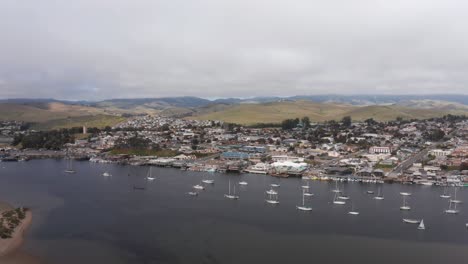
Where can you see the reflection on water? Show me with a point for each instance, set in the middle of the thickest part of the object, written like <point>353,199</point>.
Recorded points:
<point>88,218</point>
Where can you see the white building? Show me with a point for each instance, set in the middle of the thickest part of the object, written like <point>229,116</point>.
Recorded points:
<point>380,150</point>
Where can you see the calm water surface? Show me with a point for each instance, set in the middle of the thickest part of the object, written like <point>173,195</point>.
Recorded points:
<point>87,218</point>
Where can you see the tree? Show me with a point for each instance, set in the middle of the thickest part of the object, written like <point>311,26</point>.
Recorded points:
<point>346,121</point>
<point>305,122</point>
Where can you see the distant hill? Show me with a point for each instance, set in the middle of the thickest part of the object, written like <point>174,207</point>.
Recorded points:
<point>239,110</point>
<point>55,114</point>
<point>275,112</point>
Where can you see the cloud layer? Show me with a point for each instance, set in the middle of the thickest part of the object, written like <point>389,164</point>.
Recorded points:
<point>96,49</point>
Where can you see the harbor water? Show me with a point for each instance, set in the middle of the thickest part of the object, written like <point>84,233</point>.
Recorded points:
<point>88,218</point>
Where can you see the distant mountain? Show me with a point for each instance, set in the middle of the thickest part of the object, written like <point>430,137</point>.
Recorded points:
<point>381,99</point>
<point>154,103</point>
<point>243,110</point>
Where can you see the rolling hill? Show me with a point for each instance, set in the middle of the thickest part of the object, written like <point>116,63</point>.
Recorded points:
<point>248,114</point>
<point>55,114</point>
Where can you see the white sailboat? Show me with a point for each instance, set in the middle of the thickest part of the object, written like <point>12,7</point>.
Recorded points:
<point>455,201</point>
<point>421,225</point>
<point>353,212</point>
<point>342,196</point>
<point>405,207</point>
<point>70,166</point>
<point>232,196</point>
<point>337,201</point>
<point>149,176</point>
<point>337,189</point>
<point>379,195</point>
<point>303,207</point>
<point>452,210</point>
<point>445,195</point>
<point>306,186</point>
<point>272,199</point>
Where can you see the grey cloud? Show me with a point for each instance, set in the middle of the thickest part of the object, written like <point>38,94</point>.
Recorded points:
<point>92,49</point>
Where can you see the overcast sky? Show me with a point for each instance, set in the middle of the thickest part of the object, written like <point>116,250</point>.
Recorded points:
<point>96,49</point>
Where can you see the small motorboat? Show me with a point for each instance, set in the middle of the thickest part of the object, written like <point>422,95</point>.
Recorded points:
<point>405,193</point>
<point>106,174</point>
<point>243,183</point>
<point>370,192</point>
<point>208,181</point>
<point>343,197</point>
<point>353,213</point>
<point>275,185</point>
<point>308,194</point>
<point>192,193</point>
<point>405,208</point>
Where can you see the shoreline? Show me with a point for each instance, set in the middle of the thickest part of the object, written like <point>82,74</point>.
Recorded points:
<point>10,248</point>
<point>11,245</point>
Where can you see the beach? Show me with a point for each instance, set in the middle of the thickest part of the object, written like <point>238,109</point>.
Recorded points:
<point>10,248</point>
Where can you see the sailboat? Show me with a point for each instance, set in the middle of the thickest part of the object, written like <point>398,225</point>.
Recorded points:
<point>337,189</point>
<point>149,176</point>
<point>445,195</point>
<point>342,196</point>
<point>303,207</point>
<point>231,196</point>
<point>455,201</point>
<point>379,195</point>
<point>405,207</point>
<point>306,186</point>
<point>421,225</point>
<point>70,166</point>
<point>451,210</point>
<point>272,199</point>
<point>336,201</point>
<point>353,212</point>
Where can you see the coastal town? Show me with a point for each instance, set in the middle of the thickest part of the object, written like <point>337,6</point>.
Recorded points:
<point>427,152</point>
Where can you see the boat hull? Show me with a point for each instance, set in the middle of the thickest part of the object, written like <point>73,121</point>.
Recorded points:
<point>303,208</point>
